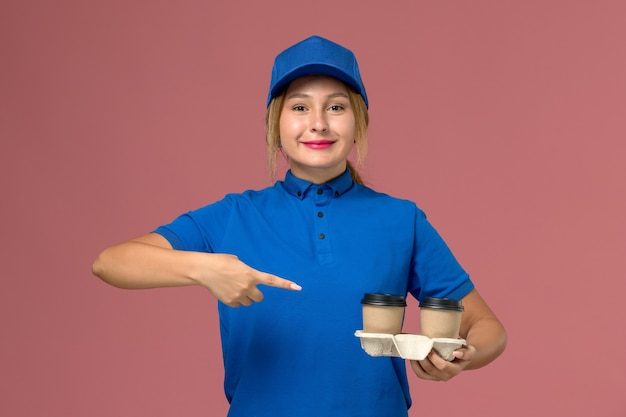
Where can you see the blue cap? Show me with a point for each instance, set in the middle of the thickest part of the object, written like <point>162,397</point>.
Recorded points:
<point>315,56</point>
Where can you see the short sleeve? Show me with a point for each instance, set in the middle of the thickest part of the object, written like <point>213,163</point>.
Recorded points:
<point>436,272</point>
<point>200,230</point>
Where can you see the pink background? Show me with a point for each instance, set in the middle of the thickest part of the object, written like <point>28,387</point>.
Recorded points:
<point>505,121</point>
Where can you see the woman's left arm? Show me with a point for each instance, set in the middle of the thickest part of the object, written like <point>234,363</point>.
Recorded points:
<point>481,329</point>
<point>485,337</point>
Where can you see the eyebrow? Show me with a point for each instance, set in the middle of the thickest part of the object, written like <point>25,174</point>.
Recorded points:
<point>303,95</point>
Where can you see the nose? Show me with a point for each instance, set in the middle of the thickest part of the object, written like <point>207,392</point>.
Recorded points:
<point>319,122</point>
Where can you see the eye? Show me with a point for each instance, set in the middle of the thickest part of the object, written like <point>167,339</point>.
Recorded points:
<point>336,107</point>
<point>299,108</point>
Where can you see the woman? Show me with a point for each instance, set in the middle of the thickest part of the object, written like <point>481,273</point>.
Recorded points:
<point>325,238</point>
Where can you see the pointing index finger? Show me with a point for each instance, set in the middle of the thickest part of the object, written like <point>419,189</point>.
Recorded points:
<point>274,281</point>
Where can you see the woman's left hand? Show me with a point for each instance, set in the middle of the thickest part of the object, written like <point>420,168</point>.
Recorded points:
<point>435,368</point>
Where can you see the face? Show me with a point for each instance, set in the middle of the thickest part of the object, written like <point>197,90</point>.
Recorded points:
<point>317,127</point>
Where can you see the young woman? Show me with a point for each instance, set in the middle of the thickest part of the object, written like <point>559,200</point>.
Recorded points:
<point>316,241</point>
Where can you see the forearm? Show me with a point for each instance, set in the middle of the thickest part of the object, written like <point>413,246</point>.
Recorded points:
<point>489,338</point>
<point>136,264</point>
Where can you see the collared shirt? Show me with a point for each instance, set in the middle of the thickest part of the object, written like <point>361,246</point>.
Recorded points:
<point>295,352</point>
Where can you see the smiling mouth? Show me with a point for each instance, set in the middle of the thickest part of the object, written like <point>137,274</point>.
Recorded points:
<point>318,144</point>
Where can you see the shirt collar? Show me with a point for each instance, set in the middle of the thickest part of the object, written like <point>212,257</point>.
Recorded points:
<point>299,187</point>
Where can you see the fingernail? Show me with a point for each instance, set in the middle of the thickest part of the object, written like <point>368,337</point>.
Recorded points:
<point>295,287</point>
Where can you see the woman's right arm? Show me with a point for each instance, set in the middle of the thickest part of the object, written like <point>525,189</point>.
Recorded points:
<point>150,262</point>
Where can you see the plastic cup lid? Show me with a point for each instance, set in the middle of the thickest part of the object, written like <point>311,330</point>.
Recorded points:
<point>441,303</point>
<point>387,300</point>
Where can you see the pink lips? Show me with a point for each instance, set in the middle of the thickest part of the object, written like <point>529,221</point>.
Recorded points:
<point>318,144</point>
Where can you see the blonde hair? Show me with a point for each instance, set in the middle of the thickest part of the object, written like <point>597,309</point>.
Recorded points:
<point>361,121</point>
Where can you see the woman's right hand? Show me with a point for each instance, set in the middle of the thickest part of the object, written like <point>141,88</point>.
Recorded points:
<point>233,282</point>
<point>150,262</point>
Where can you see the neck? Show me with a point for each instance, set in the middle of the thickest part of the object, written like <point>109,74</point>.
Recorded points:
<point>318,175</point>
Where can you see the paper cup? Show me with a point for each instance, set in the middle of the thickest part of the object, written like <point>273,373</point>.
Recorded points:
<point>440,317</point>
<point>383,313</point>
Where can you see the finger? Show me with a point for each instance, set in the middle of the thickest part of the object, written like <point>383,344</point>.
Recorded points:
<point>420,372</point>
<point>255,295</point>
<point>234,304</point>
<point>274,281</point>
<point>437,368</point>
<point>246,301</point>
<point>437,361</point>
<point>465,353</point>
<point>427,366</point>
<point>459,354</point>
<point>445,370</point>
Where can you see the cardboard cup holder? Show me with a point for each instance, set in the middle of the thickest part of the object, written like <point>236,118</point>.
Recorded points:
<point>407,346</point>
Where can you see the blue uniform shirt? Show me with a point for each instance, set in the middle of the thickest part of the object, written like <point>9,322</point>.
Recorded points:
<point>295,353</point>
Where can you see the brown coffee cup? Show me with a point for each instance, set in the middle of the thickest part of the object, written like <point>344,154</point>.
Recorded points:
<point>383,313</point>
<point>440,317</point>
